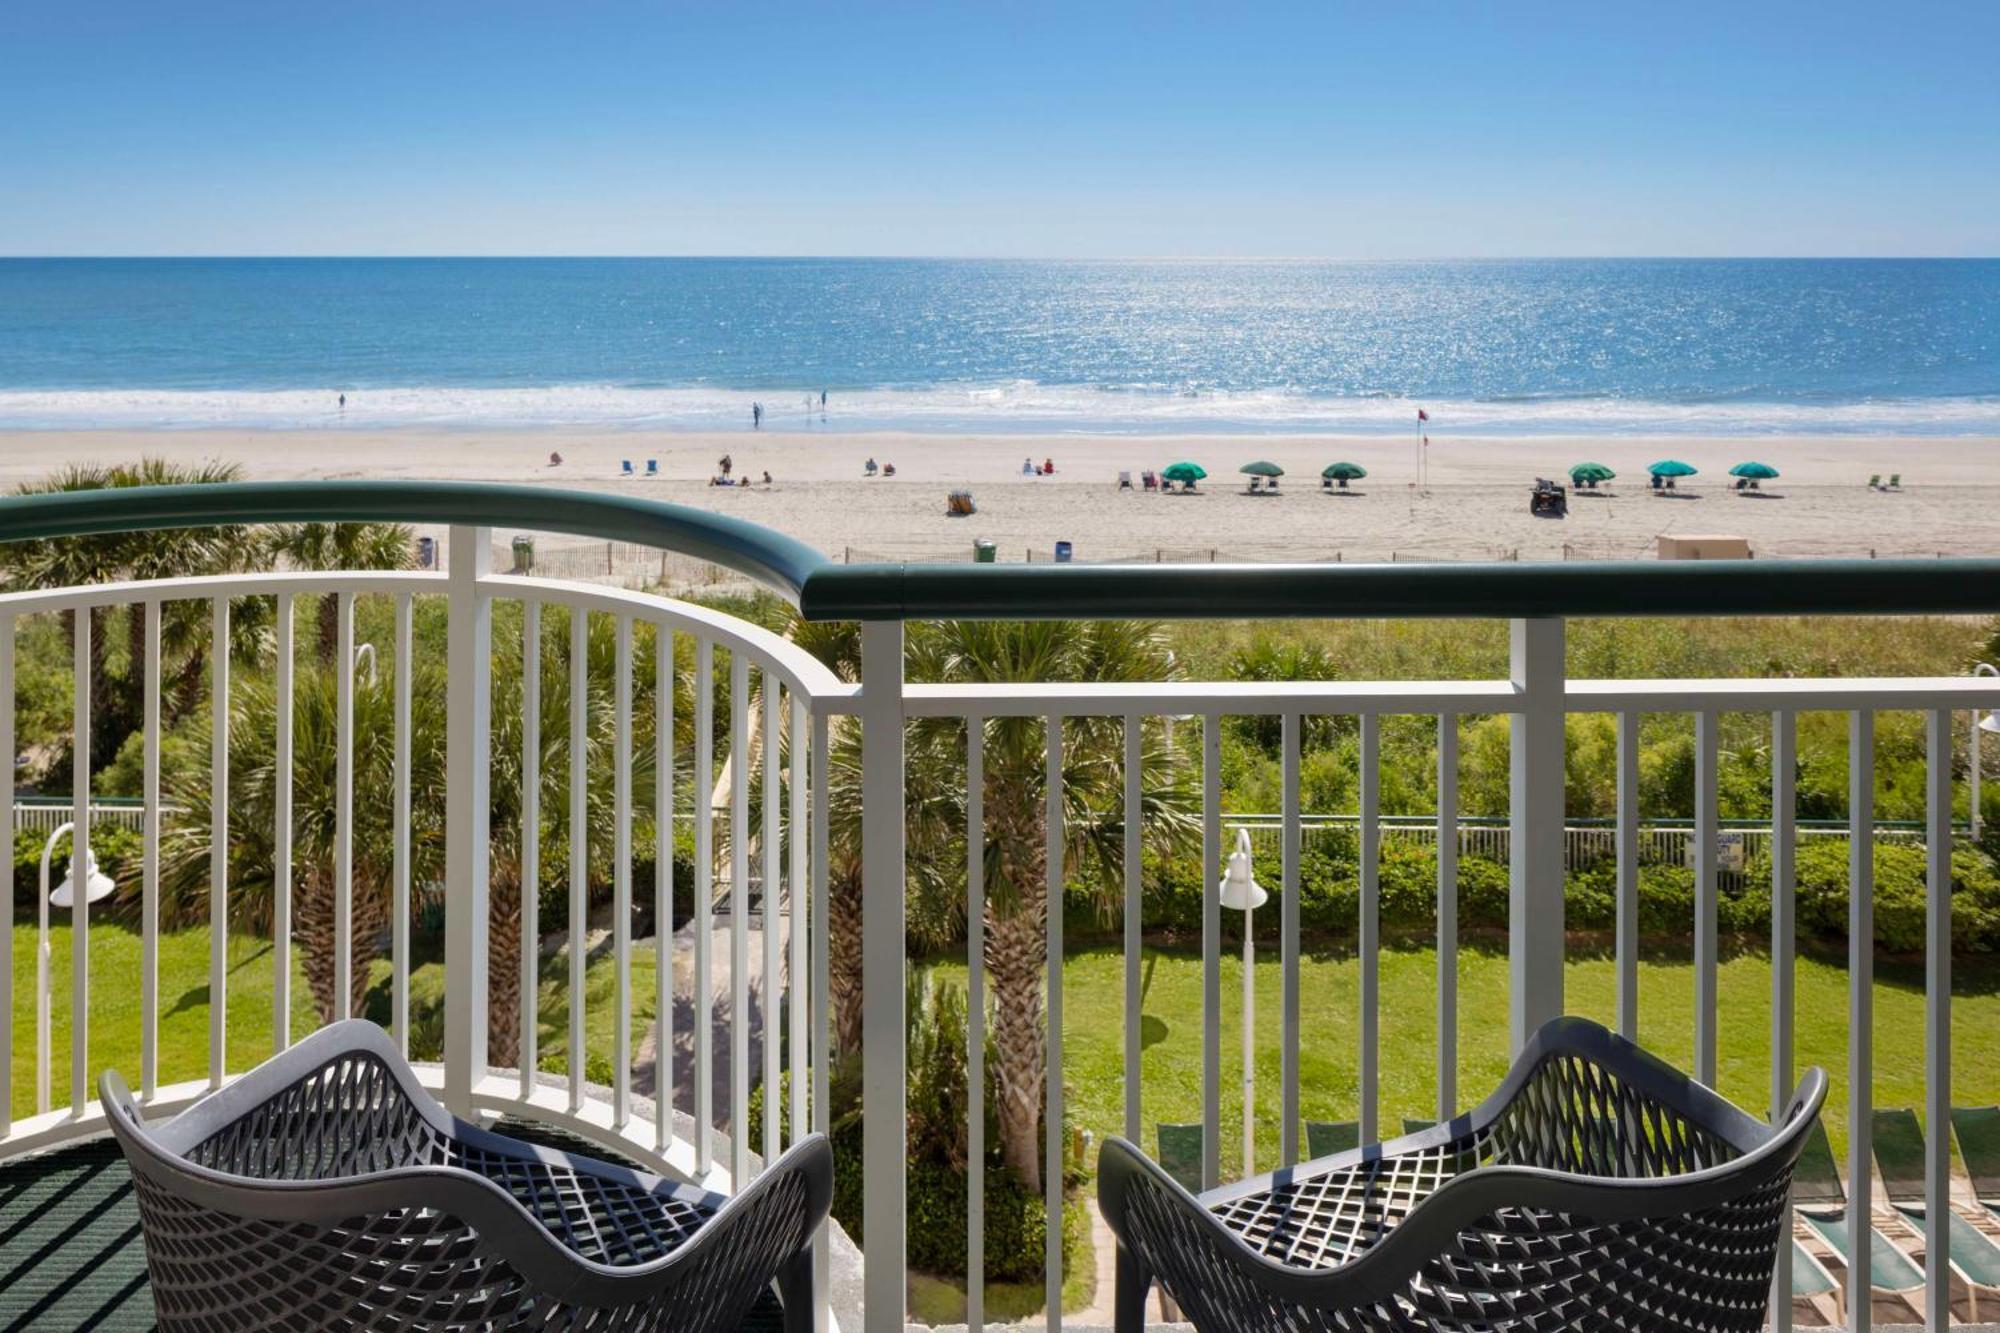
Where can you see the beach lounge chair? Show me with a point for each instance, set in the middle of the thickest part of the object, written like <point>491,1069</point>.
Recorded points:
<point>1149,481</point>
<point>1822,1204</point>
<point>1324,1138</point>
<point>1596,1178</point>
<point>1899,1155</point>
<point>1895,482</point>
<point>1875,482</point>
<point>652,467</point>
<point>327,1189</point>
<point>625,467</point>
<point>1660,483</point>
<point>1978,1131</point>
<point>1124,480</point>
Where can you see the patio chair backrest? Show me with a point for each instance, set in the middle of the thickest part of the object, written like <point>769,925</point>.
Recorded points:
<point>1899,1153</point>
<point>1180,1155</point>
<point>1815,1179</point>
<point>1978,1130</point>
<point>1324,1138</point>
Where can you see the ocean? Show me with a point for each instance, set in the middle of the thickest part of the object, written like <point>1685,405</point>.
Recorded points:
<point>1496,348</point>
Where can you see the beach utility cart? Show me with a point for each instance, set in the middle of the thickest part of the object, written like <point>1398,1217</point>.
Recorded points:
<point>327,1190</point>
<point>1598,1188</point>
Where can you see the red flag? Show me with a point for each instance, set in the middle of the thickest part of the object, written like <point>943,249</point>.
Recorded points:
<point>1423,415</point>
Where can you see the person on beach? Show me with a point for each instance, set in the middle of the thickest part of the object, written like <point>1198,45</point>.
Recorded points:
<point>767,476</point>
<point>343,402</point>
<point>869,467</point>
<point>1028,467</point>
<point>725,463</point>
<point>555,459</point>
<point>756,416</point>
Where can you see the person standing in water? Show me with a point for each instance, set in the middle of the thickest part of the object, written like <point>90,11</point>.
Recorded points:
<point>756,416</point>
<point>343,402</point>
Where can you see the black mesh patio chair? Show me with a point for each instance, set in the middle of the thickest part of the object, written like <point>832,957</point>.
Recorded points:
<point>327,1190</point>
<point>1597,1189</point>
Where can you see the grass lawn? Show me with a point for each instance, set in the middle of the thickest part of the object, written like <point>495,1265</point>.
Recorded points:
<point>1093,1033</point>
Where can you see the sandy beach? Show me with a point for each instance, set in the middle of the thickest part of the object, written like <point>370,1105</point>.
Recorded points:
<point>1474,506</point>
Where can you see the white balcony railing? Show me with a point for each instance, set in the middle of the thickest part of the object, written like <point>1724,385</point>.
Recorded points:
<point>781,711</point>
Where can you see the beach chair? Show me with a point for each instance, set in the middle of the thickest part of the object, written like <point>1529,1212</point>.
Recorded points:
<point>652,467</point>
<point>625,467</point>
<point>1149,481</point>
<point>1895,482</point>
<point>1124,481</point>
<point>1660,483</point>
<point>1324,1138</point>
<point>959,505</point>
<point>1978,1131</point>
<point>1822,1204</point>
<point>1875,482</point>
<point>1899,1155</point>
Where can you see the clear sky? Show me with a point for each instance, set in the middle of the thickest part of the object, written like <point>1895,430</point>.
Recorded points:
<point>1351,130</point>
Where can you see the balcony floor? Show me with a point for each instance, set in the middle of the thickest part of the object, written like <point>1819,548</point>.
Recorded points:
<point>71,1256</point>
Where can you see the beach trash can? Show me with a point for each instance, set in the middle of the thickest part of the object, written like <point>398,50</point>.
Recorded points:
<point>524,554</point>
<point>1062,553</point>
<point>427,553</point>
<point>984,551</point>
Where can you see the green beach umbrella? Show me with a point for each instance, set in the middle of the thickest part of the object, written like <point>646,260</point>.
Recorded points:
<point>1755,471</point>
<point>1344,473</point>
<point>1591,472</point>
<point>1260,468</point>
<point>1672,467</point>
<point>1184,472</point>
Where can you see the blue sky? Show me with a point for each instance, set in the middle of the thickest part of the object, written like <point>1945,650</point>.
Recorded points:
<point>1327,129</point>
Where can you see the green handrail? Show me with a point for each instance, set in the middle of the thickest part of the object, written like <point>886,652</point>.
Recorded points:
<point>824,590</point>
<point>770,557</point>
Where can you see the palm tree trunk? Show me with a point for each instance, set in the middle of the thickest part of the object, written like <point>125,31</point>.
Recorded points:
<point>503,967</point>
<point>1016,954</point>
<point>314,919</point>
<point>843,963</point>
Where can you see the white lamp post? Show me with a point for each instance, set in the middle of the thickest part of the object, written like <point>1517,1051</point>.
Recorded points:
<point>365,651</point>
<point>1241,892</point>
<point>1991,722</point>
<point>96,885</point>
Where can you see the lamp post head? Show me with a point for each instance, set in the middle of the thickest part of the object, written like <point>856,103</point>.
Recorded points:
<point>1239,889</point>
<point>98,885</point>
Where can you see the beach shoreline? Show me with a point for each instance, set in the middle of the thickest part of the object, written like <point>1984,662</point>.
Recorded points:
<point>1462,498</point>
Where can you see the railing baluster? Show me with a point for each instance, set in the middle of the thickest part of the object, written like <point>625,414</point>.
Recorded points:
<point>1626,837</point>
<point>739,919</point>
<point>704,908</point>
<point>1937,1024</point>
<point>343,812</point>
<point>1447,916</point>
<point>1707,754</point>
<point>1288,931</point>
<point>1052,1169</point>
<point>771,1009</point>
<point>1860,1010</point>
<point>7,917</point>
<point>663,887</point>
<point>529,1055</point>
<point>468,813</point>
<point>1784,942</point>
<point>282,826</point>
<point>1134,891</point>
<point>1535,828</point>
<point>621,885</point>
<point>822,987</point>
<point>579,841</point>
<point>884,971</point>
<point>795,922</point>
<point>1370,944</point>
<point>1211,951</point>
<point>149,904</point>
<point>399,883</point>
<point>975,1011</point>
<point>218,836</point>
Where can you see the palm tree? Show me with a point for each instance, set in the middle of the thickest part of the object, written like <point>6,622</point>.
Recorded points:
<point>326,547</point>
<point>1014,787</point>
<point>112,557</point>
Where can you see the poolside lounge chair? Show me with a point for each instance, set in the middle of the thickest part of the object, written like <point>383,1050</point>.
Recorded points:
<point>1899,1155</point>
<point>1596,1178</point>
<point>1978,1131</point>
<point>326,1189</point>
<point>1822,1204</point>
<point>1324,1138</point>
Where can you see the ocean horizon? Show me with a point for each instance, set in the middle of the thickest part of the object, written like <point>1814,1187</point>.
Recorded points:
<point>1497,347</point>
